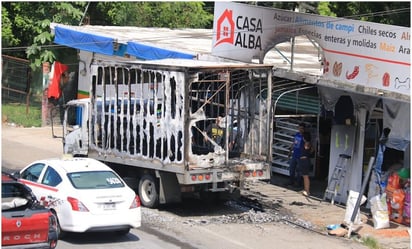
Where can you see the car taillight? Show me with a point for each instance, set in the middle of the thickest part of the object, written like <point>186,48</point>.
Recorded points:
<point>52,221</point>
<point>77,205</point>
<point>135,202</point>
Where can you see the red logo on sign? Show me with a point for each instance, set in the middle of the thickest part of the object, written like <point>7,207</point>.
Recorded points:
<point>225,28</point>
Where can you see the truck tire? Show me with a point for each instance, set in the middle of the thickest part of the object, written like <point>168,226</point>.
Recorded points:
<point>149,191</point>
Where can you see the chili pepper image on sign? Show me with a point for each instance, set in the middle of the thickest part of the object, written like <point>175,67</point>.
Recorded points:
<point>354,73</point>
<point>386,79</point>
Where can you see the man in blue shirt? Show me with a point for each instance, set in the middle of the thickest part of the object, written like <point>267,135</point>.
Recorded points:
<point>294,155</point>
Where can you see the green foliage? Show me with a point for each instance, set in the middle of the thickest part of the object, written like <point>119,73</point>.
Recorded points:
<point>156,14</point>
<point>115,13</point>
<point>324,10</point>
<point>278,5</point>
<point>7,37</point>
<point>393,13</point>
<point>17,114</point>
<point>27,24</point>
<point>30,27</point>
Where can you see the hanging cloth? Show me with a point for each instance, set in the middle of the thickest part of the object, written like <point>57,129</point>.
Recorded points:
<point>54,88</point>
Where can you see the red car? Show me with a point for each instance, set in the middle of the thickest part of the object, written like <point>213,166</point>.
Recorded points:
<point>24,222</point>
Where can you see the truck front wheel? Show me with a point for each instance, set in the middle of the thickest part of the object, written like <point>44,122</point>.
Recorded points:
<point>148,191</point>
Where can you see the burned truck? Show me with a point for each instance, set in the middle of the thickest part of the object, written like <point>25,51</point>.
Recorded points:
<point>175,127</point>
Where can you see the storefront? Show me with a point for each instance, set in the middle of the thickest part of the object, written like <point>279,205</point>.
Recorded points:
<point>364,86</point>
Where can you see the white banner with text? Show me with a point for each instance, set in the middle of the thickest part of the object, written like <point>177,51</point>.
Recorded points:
<point>370,54</point>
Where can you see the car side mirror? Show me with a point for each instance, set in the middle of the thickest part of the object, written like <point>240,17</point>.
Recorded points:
<point>16,174</point>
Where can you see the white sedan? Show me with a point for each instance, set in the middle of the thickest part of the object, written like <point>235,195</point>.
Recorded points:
<point>85,194</point>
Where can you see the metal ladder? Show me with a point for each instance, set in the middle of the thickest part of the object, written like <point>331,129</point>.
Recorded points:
<point>337,177</point>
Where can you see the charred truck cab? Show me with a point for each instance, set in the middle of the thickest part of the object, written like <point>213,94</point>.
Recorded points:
<point>175,126</point>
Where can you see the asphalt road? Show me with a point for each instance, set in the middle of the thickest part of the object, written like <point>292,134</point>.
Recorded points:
<point>143,237</point>
<point>174,227</point>
<point>21,146</point>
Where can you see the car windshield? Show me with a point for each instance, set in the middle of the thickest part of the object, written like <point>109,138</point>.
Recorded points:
<point>95,180</point>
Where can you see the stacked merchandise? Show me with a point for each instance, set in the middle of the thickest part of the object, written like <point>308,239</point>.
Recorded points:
<point>398,196</point>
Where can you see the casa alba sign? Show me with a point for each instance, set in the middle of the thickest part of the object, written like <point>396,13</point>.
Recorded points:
<point>372,54</point>
<point>248,31</point>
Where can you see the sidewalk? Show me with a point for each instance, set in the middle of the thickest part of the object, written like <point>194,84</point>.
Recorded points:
<point>320,214</point>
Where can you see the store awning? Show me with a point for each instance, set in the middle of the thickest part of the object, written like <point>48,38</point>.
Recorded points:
<point>76,37</point>
<point>83,41</point>
<point>149,52</point>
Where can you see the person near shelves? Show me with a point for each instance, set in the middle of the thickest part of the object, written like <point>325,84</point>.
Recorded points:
<point>294,156</point>
<point>305,162</point>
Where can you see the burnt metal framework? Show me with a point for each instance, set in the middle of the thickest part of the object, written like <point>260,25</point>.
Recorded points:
<point>162,114</point>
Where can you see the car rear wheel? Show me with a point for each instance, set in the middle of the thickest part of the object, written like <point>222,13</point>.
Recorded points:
<point>148,191</point>
<point>60,232</point>
<point>55,227</point>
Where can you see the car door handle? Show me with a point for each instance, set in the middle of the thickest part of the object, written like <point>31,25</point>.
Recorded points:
<point>18,216</point>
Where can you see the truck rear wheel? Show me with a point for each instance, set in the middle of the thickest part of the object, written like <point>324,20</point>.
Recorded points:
<point>149,191</point>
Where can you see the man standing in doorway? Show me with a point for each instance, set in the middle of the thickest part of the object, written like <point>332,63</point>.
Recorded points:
<point>294,155</point>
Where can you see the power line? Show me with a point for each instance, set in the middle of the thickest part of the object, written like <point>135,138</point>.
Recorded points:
<point>84,14</point>
<point>380,13</point>
<point>40,47</point>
